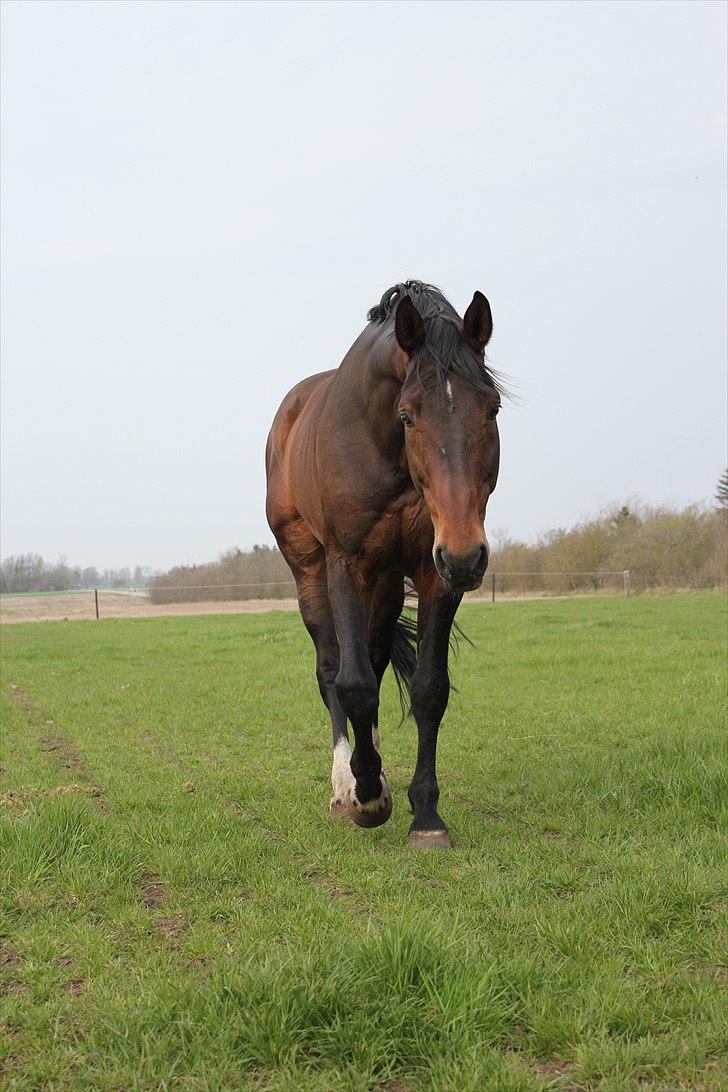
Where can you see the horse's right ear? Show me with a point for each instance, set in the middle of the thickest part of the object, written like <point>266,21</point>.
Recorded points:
<point>409,329</point>
<point>478,322</point>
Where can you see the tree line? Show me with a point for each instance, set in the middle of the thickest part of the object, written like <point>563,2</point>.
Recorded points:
<point>662,547</point>
<point>31,573</point>
<point>260,573</point>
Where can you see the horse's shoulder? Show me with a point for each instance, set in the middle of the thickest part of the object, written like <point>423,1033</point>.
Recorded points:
<point>300,394</point>
<point>294,403</point>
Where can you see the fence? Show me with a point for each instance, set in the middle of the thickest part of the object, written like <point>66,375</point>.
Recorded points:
<point>500,580</point>
<point>496,584</point>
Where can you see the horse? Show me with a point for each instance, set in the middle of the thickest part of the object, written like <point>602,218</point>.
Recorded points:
<point>379,472</point>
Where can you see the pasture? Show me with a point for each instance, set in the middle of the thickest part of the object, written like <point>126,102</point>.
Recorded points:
<point>179,912</point>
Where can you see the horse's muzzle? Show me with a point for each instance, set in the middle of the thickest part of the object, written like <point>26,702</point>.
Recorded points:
<point>461,572</point>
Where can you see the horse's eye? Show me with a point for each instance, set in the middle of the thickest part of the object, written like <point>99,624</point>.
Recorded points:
<point>492,413</point>
<point>406,420</point>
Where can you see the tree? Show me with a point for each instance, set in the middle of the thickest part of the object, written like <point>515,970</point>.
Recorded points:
<point>23,573</point>
<point>622,517</point>
<point>721,494</point>
<point>60,575</point>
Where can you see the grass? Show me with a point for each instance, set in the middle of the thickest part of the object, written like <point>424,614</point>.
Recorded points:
<point>178,911</point>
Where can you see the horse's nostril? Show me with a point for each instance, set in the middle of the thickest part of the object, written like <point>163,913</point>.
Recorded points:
<point>440,562</point>
<point>477,562</point>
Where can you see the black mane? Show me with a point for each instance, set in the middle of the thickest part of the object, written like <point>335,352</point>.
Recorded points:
<point>445,347</point>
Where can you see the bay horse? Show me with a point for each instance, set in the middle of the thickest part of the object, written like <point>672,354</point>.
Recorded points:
<point>378,471</point>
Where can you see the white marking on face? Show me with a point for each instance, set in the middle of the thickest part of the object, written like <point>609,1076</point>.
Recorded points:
<point>448,388</point>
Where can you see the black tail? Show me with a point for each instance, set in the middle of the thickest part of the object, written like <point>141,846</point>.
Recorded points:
<point>404,656</point>
<point>404,652</point>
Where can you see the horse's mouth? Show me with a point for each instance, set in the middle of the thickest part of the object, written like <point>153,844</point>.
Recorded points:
<point>461,573</point>
<point>462,586</point>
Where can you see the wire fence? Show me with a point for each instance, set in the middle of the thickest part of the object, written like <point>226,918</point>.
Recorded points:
<point>497,584</point>
<point>562,582</point>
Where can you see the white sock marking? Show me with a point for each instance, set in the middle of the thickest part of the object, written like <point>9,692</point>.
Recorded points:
<point>342,779</point>
<point>343,782</point>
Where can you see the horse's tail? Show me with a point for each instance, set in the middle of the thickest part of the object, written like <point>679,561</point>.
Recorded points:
<point>404,656</point>
<point>404,652</point>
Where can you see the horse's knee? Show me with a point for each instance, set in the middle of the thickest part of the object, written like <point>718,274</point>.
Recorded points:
<point>359,696</point>
<point>326,668</point>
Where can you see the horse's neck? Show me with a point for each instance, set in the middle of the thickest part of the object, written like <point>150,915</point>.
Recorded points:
<point>371,374</point>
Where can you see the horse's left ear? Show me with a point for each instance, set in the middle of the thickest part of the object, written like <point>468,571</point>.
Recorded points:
<point>409,329</point>
<point>478,322</point>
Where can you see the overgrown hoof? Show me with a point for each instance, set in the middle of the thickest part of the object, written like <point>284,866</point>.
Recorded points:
<point>429,839</point>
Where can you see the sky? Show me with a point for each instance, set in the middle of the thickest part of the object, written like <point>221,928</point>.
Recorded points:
<point>201,200</point>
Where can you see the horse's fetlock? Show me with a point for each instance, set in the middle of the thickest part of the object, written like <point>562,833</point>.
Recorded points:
<point>367,775</point>
<point>424,795</point>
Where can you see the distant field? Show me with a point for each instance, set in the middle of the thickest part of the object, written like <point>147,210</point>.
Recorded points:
<point>179,912</point>
<point>77,605</point>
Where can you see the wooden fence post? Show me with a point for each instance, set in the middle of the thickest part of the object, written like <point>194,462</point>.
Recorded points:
<point>492,587</point>
<point>96,601</point>
<point>627,584</point>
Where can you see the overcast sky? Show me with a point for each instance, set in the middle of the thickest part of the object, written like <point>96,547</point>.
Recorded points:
<point>201,200</point>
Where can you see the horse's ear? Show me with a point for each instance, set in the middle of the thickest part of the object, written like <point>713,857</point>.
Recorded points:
<point>409,329</point>
<point>478,322</point>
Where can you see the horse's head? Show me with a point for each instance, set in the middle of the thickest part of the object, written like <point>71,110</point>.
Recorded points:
<point>448,407</point>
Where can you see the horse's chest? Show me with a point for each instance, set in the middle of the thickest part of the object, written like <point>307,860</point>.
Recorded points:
<point>400,534</point>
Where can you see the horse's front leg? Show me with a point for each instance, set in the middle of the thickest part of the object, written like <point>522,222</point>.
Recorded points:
<point>369,802</point>
<point>429,695</point>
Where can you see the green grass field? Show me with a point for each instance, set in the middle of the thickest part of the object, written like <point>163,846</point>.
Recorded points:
<point>179,912</point>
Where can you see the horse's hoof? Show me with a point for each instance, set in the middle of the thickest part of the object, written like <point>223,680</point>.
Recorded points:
<point>429,839</point>
<point>365,815</point>
<point>338,809</point>
<point>374,812</point>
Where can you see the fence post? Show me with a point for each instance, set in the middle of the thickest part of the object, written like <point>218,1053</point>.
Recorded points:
<point>626,579</point>
<point>96,601</point>
<point>492,587</point>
